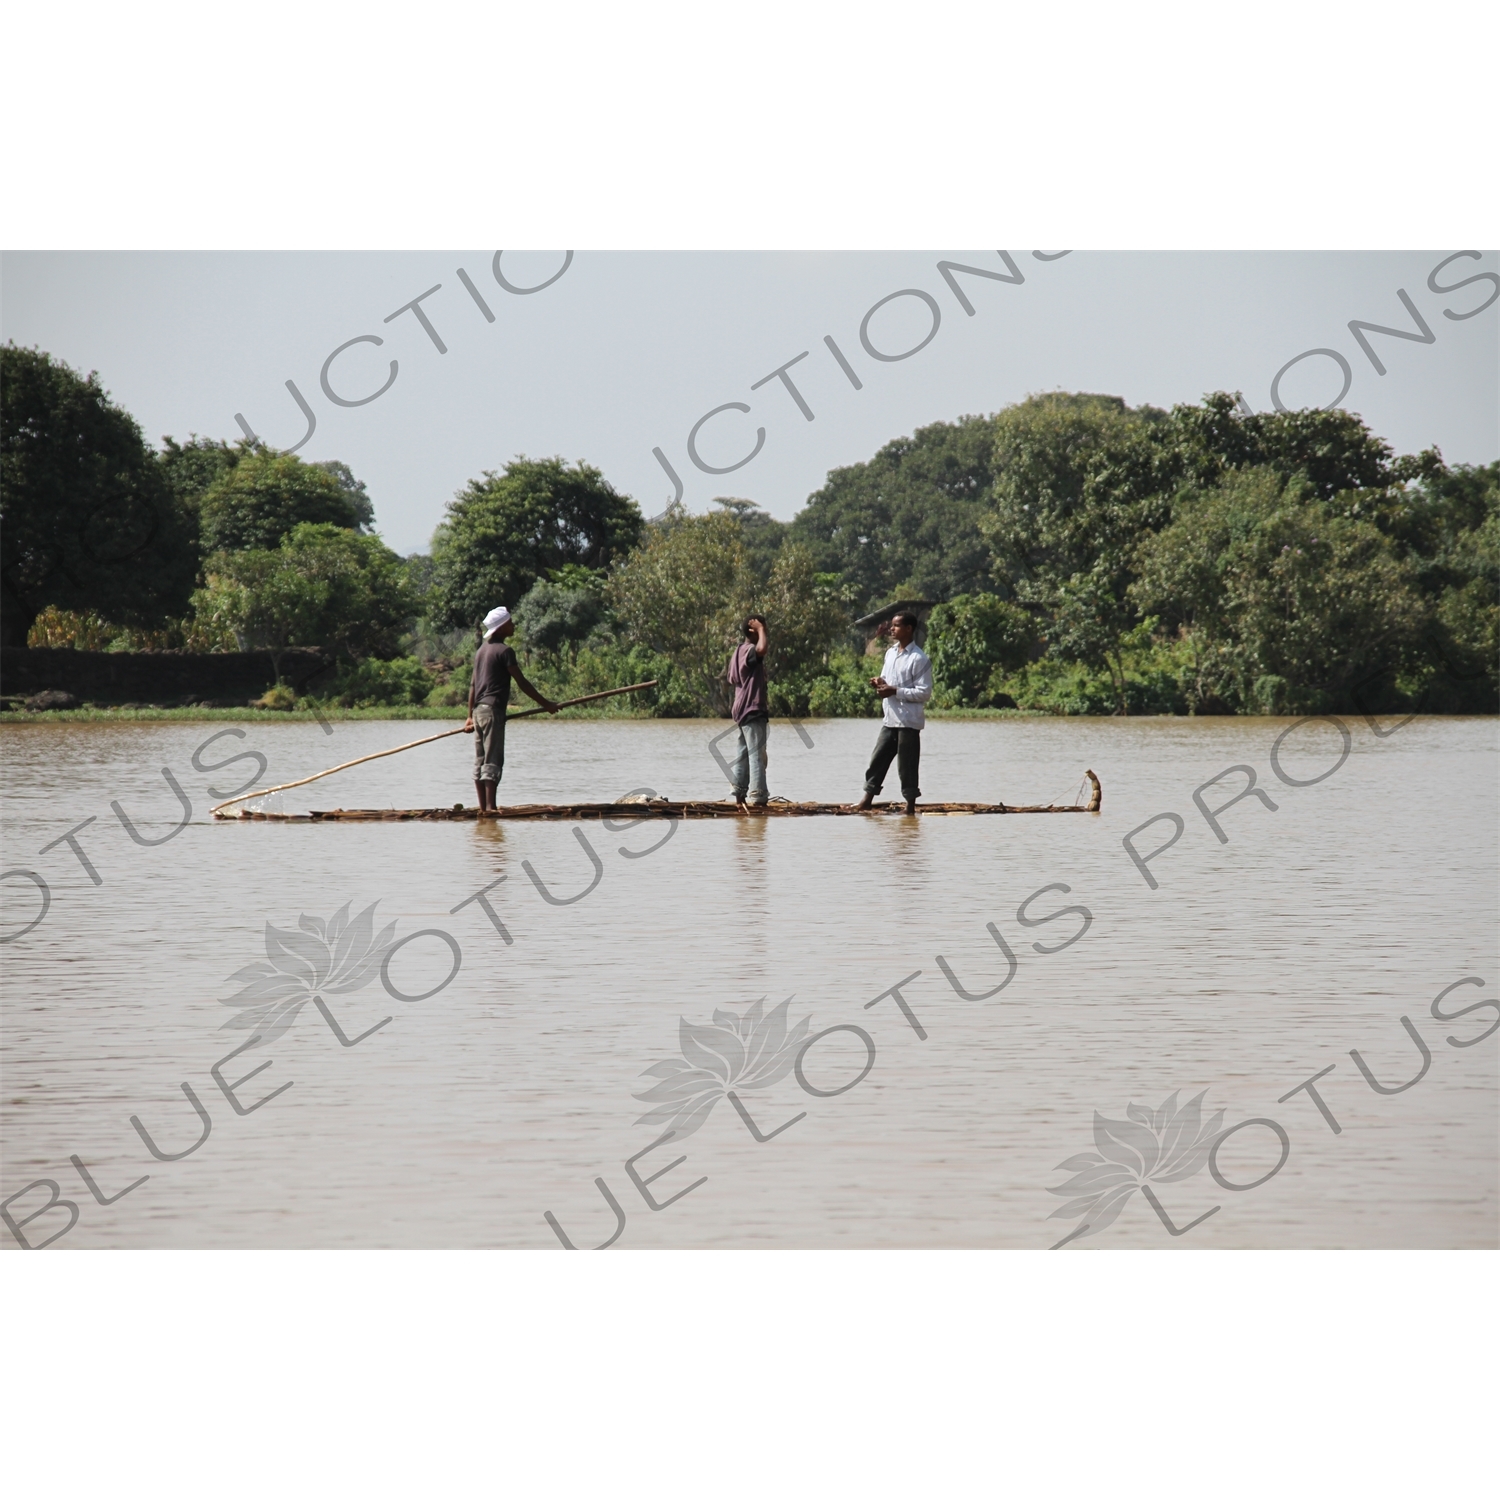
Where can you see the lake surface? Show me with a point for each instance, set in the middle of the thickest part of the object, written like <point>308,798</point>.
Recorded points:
<point>1254,965</point>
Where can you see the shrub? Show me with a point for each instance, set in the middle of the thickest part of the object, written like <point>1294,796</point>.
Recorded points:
<point>843,691</point>
<point>968,638</point>
<point>376,684</point>
<point>66,629</point>
<point>561,611</point>
<point>280,697</point>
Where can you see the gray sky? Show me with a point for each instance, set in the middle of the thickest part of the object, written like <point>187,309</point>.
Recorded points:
<point>625,351</point>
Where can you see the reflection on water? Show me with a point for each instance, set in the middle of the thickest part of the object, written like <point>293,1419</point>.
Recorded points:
<point>1256,965</point>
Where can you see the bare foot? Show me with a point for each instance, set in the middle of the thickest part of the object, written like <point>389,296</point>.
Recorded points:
<point>911,808</point>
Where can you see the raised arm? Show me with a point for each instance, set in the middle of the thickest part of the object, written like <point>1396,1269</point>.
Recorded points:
<point>520,678</point>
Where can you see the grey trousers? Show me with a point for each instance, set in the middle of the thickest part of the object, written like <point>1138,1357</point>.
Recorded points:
<point>489,743</point>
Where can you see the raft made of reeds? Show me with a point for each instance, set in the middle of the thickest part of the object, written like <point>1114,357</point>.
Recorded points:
<point>658,807</point>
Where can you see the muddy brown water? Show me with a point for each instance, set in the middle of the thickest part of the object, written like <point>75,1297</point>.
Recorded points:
<point>471,1115</point>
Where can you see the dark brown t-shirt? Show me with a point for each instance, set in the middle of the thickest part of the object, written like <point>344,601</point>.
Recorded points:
<point>492,664</point>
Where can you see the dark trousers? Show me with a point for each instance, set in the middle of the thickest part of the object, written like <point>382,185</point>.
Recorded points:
<point>904,746</point>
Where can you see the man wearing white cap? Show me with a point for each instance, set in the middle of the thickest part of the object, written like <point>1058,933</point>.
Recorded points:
<point>495,665</point>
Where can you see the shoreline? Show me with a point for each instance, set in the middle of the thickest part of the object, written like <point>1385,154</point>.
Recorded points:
<point>456,715</point>
<point>247,715</point>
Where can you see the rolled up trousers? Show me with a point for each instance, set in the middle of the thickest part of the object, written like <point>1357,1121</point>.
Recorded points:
<point>904,746</point>
<point>489,742</point>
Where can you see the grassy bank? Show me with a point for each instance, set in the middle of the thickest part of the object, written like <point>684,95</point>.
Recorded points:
<point>98,715</point>
<point>95,715</point>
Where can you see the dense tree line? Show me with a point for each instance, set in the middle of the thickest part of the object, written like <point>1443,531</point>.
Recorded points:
<point>202,546</point>
<point>1084,556</point>
<point>1197,560</point>
<point>87,517</point>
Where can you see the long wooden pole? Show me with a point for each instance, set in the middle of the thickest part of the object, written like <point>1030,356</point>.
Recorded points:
<point>634,687</point>
<point>286,786</point>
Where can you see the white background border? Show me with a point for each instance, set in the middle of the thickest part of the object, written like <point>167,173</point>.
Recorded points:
<point>780,125</point>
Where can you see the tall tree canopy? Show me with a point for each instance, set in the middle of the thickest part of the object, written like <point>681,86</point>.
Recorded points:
<point>1289,603</point>
<point>1458,567</point>
<point>1092,556</point>
<point>1077,479</point>
<point>503,532</point>
<point>258,500</point>
<point>685,592</point>
<point>359,496</point>
<point>88,522</point>
<point>762,534</point>
<point>193,466</point>
<point>1331,450</point>
<point>907,521</point>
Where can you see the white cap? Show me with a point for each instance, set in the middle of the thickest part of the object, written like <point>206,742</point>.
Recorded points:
<point>495,619</point>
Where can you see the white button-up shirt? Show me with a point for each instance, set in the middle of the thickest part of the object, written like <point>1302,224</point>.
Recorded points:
<point>908,670</point>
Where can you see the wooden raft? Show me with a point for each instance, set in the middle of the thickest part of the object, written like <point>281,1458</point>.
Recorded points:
<point>655,808</point>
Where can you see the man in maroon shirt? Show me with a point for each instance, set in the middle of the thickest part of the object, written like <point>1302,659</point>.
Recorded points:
<point>495,665</point>
<point>747,676</point>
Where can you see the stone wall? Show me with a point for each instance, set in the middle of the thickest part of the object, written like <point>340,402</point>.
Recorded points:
<point>158,678</point>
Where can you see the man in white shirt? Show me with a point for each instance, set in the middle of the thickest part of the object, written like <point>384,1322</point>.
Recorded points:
<point>905,684</point>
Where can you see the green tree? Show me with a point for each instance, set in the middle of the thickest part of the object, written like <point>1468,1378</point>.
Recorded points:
<point>842,690</point>
<point>371,683</point>
<point>808,616</point>
<point>428,641</point>
<point>1460,576</point>
<point>907,521</point>
<point>88,522</point>
<point>1093,620</point>
<point>559,613</point>
<point>1443,523</point>
<point>503,532</point>
<point>1289,604</point>
<point>1331,450</point>
<point>268,606</point>
<point>420,574</point>
<point>359,496</point>
<point>806,611</point>
<point>260,499</point>
<point>971,636</point>
<point>761,533</point>
<point>323,586</point>
<point>685,592</point>
<point>1079,480</point>
<point>193,467</point>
